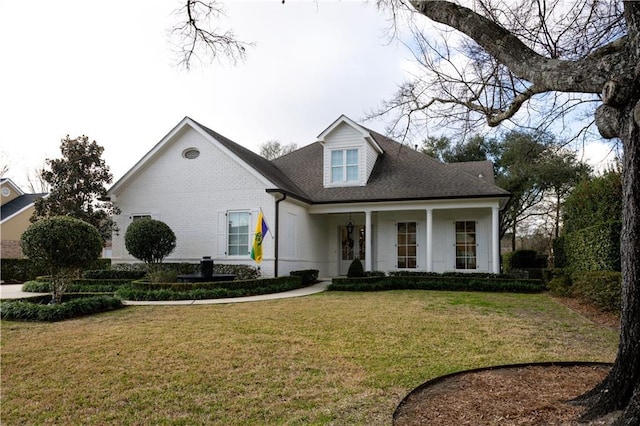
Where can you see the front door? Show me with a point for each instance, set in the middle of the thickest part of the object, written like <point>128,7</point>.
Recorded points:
<point>351,246</point>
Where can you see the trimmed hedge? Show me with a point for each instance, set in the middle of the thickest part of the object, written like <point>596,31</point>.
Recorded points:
<point>596,248</point>
<point>600,288</point>
<point>79,285</point>
<point>560,285</point>
<point>113,274</point>
<point>448,274</point>
<point>242,272</point>
<point>309,276</point>
<point>72,307</point>
<point>22,270</point>
<point>440,282</point>
<point>140,290</point>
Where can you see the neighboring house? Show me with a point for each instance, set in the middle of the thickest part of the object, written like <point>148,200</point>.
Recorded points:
<point>352,194</point>
<point>16,208</point>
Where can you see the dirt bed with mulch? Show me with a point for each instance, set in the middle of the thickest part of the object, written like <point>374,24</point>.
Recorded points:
<point>527,395</point>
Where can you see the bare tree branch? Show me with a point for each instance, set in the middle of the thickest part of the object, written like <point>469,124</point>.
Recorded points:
<point>197,37</point>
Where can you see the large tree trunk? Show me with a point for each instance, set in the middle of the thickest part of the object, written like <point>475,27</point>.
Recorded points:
<point>621,389</point>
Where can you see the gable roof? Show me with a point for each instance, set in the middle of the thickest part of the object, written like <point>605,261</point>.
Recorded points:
<point>400,173</point>
<point>17,205</point>
<point>13,185</point>
<point>263,166</point>
<point>364,132</point>
<point>252,161</point>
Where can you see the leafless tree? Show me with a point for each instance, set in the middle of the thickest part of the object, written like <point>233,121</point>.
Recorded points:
<point>36,182</point>
<point>197,34</point>
<point>517,53</point>
<point>274,149</point>
<point>4,163</point>
<point>517,61</point>
<point>459,84</point>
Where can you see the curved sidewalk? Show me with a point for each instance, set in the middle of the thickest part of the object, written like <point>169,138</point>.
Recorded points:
<point>14,291</point>
<point>305,291</point>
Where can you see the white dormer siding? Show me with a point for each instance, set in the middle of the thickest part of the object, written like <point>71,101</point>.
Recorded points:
<point>370,158</point>
<point>348,146</point>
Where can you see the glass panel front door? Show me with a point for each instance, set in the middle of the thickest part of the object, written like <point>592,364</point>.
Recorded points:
<point>351,246</point>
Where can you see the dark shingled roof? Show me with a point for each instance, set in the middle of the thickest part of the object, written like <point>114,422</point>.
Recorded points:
<point>18,204</point>
<point>400,173</point>
<point>257,162</point>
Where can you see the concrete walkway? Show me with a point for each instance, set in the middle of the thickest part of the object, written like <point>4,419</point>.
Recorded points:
<point>14,291</point>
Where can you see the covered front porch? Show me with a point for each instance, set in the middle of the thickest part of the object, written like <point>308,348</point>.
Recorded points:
<point>460,236</point>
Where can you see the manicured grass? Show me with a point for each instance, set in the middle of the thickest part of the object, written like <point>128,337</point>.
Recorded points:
<point>333,358</point>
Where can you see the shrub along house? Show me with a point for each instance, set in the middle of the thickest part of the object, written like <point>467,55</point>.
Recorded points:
<point>352,194</point>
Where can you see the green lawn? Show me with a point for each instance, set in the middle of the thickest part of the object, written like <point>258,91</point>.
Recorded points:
<point>333,358</point>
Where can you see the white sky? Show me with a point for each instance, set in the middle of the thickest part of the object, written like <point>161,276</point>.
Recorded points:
<point>107,70</point>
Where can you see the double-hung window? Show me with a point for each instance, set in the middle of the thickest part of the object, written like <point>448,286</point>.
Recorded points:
<point>344,165</point>
<point>238,233</point>
<point>466,255</point>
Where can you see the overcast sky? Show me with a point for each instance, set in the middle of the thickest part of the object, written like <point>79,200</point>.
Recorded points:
<point>108,70</point>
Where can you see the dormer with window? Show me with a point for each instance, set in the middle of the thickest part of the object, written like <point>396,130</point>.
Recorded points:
<point>350,152</point>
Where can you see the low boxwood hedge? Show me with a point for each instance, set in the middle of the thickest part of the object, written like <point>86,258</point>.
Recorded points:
<point>79,285</point>
<point>38,309</point>
<point>309,276</point>
<point>242,272</point>
<point>458,282</point>
<point>142,290</point>
<point>113,274</point>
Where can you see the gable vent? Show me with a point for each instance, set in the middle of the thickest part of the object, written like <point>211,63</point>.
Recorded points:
<point>191,153</point>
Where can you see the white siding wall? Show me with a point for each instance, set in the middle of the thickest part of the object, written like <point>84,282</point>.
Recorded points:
<point>306,248</point>
<point>189,195</point>
<point>371,157</point>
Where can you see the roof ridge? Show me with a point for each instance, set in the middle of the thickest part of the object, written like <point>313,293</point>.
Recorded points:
<point>263,166</point>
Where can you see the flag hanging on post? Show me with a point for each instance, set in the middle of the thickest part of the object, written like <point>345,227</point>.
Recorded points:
<point>261,231</point>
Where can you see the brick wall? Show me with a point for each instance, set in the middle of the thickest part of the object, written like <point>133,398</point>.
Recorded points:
<point>10,249</point>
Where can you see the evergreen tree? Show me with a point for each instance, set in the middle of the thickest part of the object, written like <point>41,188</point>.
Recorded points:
<point>77,182</point>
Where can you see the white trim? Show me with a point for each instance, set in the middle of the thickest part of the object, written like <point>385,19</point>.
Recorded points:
<point>12,183</point>
<point>382,206</point>
<point>250,233</point>
<point>368,260</point>
<point>346,120</point>
<point>495,239</point>
<point>429,231</point>
<point>5,219</point>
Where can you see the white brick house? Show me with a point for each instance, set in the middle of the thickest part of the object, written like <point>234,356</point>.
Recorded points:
<point>404,210</point>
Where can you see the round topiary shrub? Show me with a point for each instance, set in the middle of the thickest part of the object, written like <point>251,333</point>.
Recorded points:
<point>150,241</point>
<point>63,246</point>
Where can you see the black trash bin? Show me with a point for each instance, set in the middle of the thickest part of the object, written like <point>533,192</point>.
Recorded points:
<point>206,267</point>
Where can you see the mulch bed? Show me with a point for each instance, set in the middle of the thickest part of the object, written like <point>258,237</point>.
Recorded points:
<point>517,395</point>
<point>527,395</point>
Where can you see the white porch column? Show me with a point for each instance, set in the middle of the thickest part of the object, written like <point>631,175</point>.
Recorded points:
<point>429,240</point>
<point>495,240</point>
<point>368,262</point>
